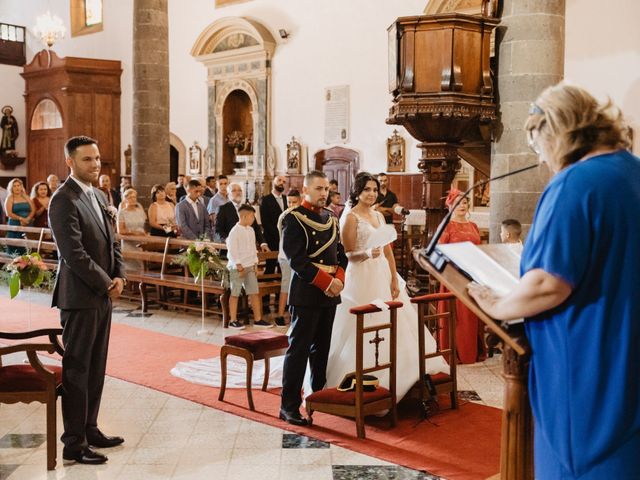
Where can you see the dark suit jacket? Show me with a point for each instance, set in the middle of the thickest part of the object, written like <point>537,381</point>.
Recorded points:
<point>193,227</point>
<point>299,241</point>
<point>180,192</point>
<point>270,211</point>
<point>226,219</point>
<point>87,248</point>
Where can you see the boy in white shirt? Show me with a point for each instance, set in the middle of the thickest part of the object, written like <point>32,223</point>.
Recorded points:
<point>242,262</point>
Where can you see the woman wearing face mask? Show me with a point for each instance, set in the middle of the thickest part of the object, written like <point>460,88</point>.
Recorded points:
<point>578,292</point>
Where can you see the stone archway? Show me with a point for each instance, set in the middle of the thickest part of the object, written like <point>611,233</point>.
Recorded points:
<point>179,145</point>
<point>237,53</point>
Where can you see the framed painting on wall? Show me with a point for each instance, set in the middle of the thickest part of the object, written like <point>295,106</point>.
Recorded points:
<point>395,153</point>
<point>195,159</point>
<point>294,156</point>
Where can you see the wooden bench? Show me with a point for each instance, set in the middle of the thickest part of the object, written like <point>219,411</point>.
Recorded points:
<point>158,255</point>
<point>35,239</point>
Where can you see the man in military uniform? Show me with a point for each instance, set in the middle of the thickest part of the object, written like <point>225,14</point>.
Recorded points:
<point>311,242</point>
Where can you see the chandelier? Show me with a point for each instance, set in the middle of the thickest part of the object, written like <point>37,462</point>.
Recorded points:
<point>49,28</point>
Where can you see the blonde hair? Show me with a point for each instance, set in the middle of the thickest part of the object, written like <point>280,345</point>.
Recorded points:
<point>576,122</point>
<point>12,182</point>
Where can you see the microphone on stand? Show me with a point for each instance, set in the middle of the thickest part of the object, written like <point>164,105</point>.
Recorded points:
<point>433,256</point>
<point>399,210</point>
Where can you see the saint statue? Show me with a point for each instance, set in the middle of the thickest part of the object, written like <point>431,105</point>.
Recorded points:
<point>9,126</point>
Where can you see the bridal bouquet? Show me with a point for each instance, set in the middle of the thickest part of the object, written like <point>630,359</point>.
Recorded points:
<point>201,261</point>
<point>27,270</point>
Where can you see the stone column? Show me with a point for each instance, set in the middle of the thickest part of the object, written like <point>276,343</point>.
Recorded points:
<point>531,58</point>
<point>150,163</point>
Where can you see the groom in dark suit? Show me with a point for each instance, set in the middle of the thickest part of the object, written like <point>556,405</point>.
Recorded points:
<point>311,242</point>
<point>90,276</point>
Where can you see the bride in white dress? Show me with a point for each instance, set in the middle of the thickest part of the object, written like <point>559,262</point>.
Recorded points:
<point>371,275</point>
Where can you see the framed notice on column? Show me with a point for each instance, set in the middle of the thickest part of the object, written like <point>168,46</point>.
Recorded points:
<point>336,114</point>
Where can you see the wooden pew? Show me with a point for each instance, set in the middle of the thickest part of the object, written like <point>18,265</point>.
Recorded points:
<point>36,239</point>
<point>159,252</point>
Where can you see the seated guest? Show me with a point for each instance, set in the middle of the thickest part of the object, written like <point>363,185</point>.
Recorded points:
<point>19,209</point>
<point>113,195</point>
<point>334,203</point>
<point>162,215</point>
<point>191,214</point>
<point>54,182</point>
<point>40,195</point>
<point>170,191</point>
<point>293,200</point>
<point>242,265</point>
<point>3,197</point>
<point>510,231</point>
<point>125,184</point>
<point>131,221</point>
<point>228,216</point>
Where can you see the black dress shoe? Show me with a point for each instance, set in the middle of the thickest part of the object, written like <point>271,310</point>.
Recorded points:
<point>294,418</point>
<point>84,455</point>
<point>100,440</point>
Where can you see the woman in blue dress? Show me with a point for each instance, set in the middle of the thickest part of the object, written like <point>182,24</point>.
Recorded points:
<point>20,211</point>
<point>578,292</point>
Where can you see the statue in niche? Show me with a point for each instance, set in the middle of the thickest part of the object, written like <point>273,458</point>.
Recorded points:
<point>127,160</point>
<point>195,158</point>
<point>293,156</point>
<point>9,126</point>
<point>241,143</point>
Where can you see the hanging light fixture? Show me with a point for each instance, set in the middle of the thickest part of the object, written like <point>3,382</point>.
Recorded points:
<point>49,28</point>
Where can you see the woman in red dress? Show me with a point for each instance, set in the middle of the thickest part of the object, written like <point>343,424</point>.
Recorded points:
<point>469,329</point>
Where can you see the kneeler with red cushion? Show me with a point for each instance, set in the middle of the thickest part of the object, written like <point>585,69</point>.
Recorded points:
<point>358,404</point>
<point>251,346</point>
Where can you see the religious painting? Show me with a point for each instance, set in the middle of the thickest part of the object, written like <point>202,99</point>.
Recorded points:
<point>395,153</point>
<point>195,159</point>
<point>294,156</point>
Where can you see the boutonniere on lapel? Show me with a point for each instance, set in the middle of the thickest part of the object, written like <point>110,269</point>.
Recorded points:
<point>111,212</point>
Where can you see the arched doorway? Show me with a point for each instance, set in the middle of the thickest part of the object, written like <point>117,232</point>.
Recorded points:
<point>237,53</point>
<point>237,121</point>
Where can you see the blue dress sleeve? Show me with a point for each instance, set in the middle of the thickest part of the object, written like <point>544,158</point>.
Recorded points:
<point>561,239</point>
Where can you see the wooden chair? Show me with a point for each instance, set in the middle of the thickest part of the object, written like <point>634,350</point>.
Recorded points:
<point>358,404</point>
<point>428,318</point>
<point>261,345</point>
<point>34,382</point>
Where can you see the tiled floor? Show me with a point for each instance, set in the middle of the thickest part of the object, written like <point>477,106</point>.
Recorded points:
<point>171,438</point>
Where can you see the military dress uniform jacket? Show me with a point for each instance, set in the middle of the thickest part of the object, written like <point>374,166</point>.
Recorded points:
<point>311,242</point>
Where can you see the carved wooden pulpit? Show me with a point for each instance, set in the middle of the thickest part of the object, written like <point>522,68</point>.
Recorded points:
<point>443,94</point>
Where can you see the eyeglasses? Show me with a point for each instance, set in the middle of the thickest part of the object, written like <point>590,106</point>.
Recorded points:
<point>532,143</point>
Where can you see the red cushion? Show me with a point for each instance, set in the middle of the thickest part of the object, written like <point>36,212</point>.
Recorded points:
<point>369,308</point>
<point>259,342</point>
<point>23,378</point>
<point>333,396</point>
<point>440,378</point>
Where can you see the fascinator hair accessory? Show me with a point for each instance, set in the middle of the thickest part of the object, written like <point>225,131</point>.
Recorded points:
<point>451,196</point>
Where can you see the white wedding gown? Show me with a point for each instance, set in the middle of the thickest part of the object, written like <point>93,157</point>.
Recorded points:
<point>365,282</point>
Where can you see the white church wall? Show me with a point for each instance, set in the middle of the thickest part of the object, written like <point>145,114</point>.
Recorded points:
<point>333,42</point>
<point>603,53</point>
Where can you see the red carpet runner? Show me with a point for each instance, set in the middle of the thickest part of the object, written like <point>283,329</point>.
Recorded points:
<point>462,444</point>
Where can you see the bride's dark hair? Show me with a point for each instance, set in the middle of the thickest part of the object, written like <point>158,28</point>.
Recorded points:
<point>362,179</point>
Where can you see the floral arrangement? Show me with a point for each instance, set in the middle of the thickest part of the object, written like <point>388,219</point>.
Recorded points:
<point>201,261</point>
<point>27,270</point>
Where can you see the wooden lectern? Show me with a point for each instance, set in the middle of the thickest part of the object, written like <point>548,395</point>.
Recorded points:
<point>516,451</point>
